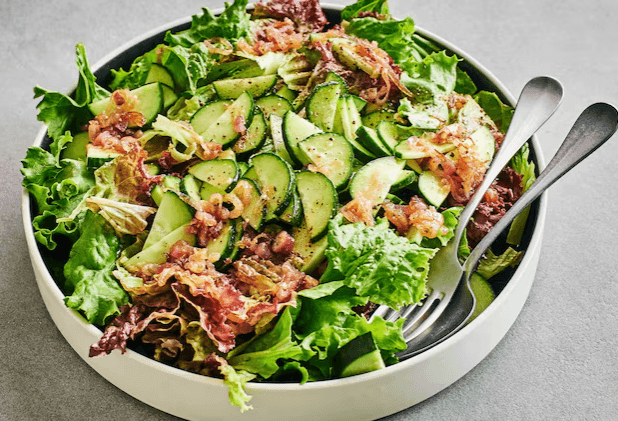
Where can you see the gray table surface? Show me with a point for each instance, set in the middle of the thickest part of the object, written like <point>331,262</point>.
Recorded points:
<point>558,361</point>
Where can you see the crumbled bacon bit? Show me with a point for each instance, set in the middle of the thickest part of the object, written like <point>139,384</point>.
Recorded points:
<point>426,219</point>
<point>283,243</point>
<point>274,36</point>
<point>359,209</point>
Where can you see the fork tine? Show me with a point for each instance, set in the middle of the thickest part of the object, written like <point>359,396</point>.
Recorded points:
<point>432,309</point>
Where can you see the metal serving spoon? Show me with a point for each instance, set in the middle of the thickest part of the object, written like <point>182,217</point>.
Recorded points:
<point>594,127</point>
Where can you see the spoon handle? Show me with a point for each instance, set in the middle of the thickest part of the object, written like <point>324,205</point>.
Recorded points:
<point>537,102</point>
<point>594,127</point>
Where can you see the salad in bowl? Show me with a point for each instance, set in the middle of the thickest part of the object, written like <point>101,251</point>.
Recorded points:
<point>239,199</point>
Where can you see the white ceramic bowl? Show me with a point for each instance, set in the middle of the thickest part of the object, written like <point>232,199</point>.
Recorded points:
<point>364,397</point>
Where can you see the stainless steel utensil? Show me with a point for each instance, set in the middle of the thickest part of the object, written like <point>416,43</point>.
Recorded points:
<point>537,102</point>
<point>594,127</point>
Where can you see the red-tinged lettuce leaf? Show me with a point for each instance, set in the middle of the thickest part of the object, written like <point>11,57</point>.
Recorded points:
<point>90,285</point>
<point>377,263</point>
<point>261,354</point>
<point>377,6</point>
<point>58,111</point>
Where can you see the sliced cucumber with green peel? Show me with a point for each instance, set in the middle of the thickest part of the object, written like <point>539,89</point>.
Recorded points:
<point>149,102</point>
<point>360,355</point>
<point>347,122</point>
<point>273,104</point>
<point>320,202</point>
<point>254,138</point>
<point>295,128</point>
<point>190,186</point>
<point>254,212</point>
<point>158,73</point>
<point>374,118</point>
<point>233,88</point>
<point>157,252</point>
<point>223,129</point>
<point>225,243</point>
<point>485,144</point>
<point>483,294</point>
<point>287,93</point>
<point>207,190</point>
<point>276,181</point>
<point>97,156</point>
<point>221,173</point>
<point>332,154</point>
<point>76,149</point>
<point>322,105</point>
<point>407,177</point>
<point>369,139</point>
<point>169,97</point>
<point>311,252</point>
<point>374,180</point>
<point>293,214</point>
<point>407,149</point>
<point>208,114</point>
<point>276,132</point>
<point>432,188</point>
<point>173,212</point>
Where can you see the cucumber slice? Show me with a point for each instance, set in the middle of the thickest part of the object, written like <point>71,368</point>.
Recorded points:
<point>287,93</point>
<point>173,212</point>
<point>225,243</point>
<point>255,211</point>
<point>254,138</point>
<point>158,73</point>
<point>97,156</point>
<point>311,252</point>
<point>332,154</point>
<point>369,138</point>
<point>483,294</point>
<point>409,150</point>
<point>484,143</point>
<point>334,77</point>
<point>207,190</point>
<point>295,128</point>
<point>255,86</point>
<point>320,202</point>
<point>276,180</point>
<point>374,118</point>
<point>293,214</point>
<point>208,114</point>
<point>359,103</point>
<point>276,132</point>
<point>169,96</point>
<point>432,188</point>
<point>350,121</point>
<point>375,179</point>
<point>77,148</point>
<point>322,105</point>
<point>190,186</point>
<point>157,252</point>
<point>220,173</point>
<point>273,105</point>
<point>222,130</point>
<point>360,355</point>
<point>407,177</point>
<point>149,102</point>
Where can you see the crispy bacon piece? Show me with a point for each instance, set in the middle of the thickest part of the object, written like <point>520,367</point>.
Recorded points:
<point>109,130</point>
<point>416,214</point>
<point>210,215</point>
<point>357,210</point>
<point>274,36</point>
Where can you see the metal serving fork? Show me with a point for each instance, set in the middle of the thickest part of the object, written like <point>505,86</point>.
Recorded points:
<point>538,100</point>
<point>593,128</point>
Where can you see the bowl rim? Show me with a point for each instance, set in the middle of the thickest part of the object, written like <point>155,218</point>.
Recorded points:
<point>536,237</point>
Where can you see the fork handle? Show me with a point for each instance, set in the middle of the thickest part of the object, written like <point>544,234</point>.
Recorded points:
<point>594,127</point>
<point>537,102</point>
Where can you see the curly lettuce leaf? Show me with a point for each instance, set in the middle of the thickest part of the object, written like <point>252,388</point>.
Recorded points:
<point>89,284</point>
<point>451,219</point>
<point>58,111</point>
<point>233,24</point>
<point>58,187</point>
<point>377,263</point>
<point>433,77</point>
<point>327,321</point>
<point>378,6</point>
<point>261,354</point>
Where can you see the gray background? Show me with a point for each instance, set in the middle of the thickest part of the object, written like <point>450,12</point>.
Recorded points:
<point>558,361</point>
